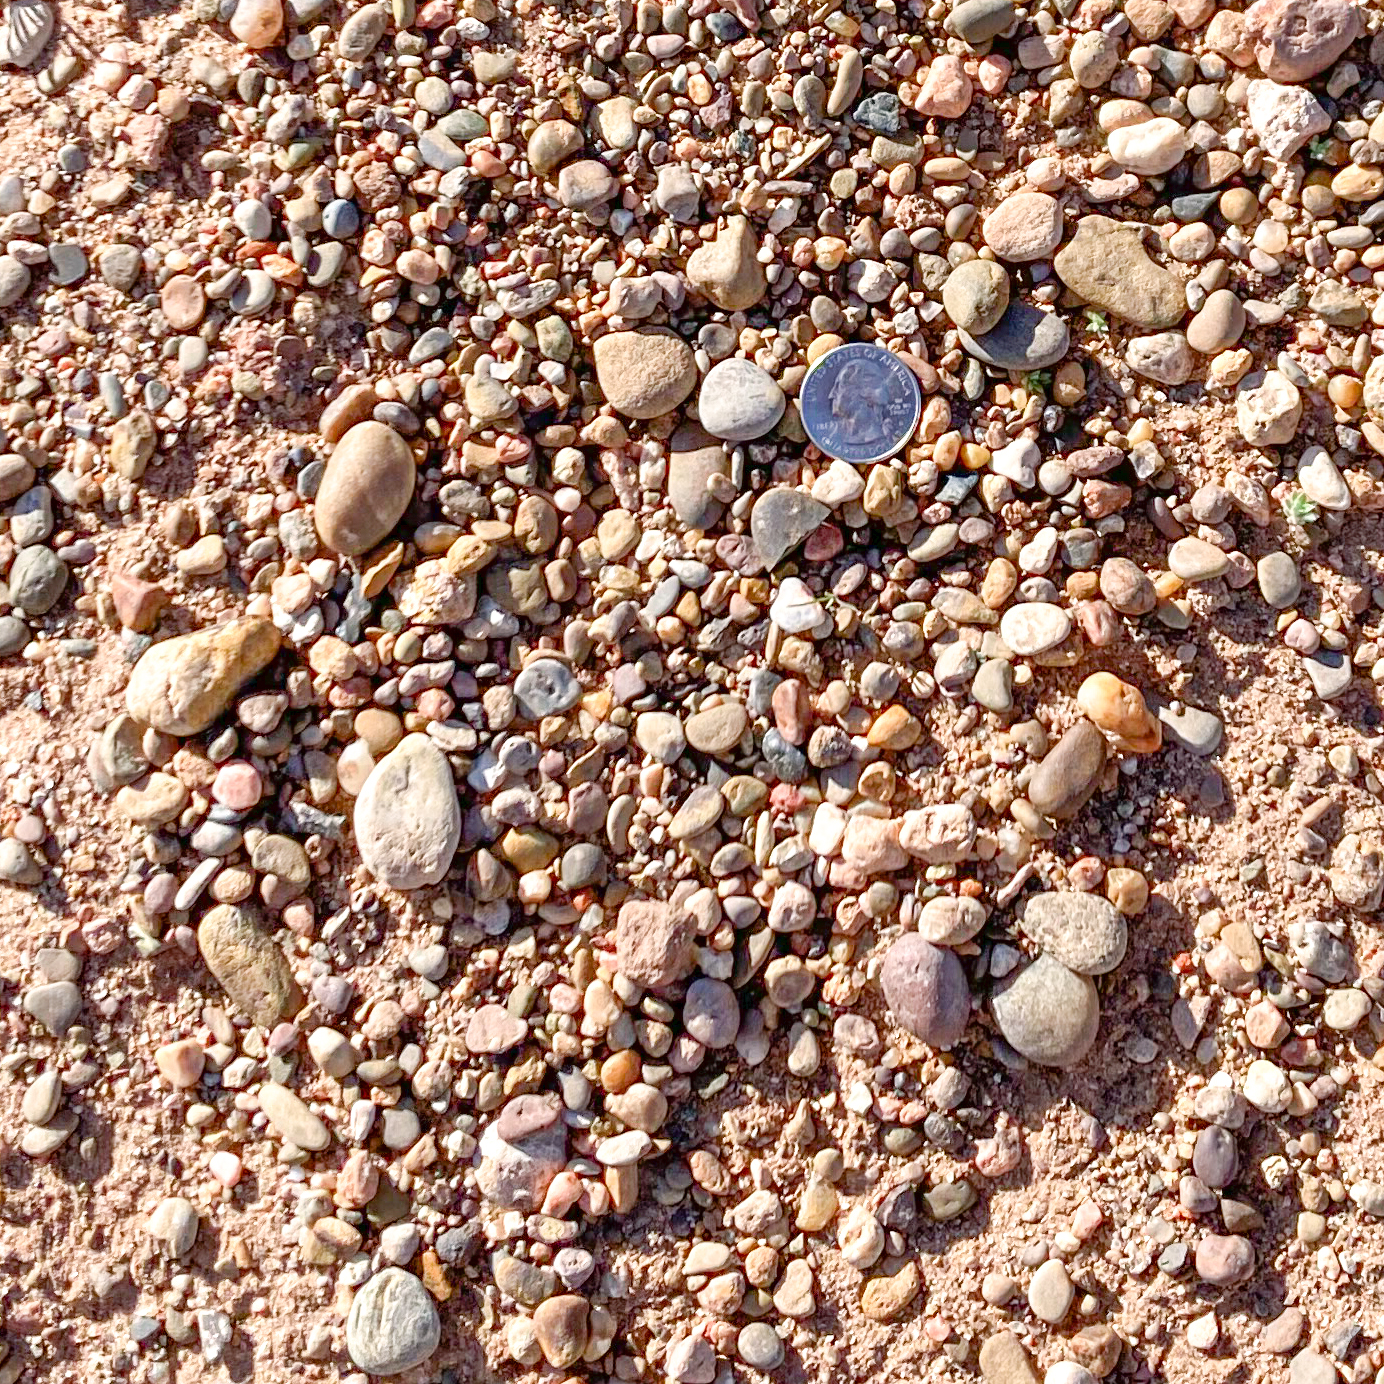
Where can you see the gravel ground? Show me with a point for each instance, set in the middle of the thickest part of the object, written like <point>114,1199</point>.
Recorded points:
<point>524,854</point>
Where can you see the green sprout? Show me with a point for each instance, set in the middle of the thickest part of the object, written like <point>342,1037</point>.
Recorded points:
<point>1318,147</point>
<point>1096,321</point>
<point>1299,509</point>
<point>1037,381</point>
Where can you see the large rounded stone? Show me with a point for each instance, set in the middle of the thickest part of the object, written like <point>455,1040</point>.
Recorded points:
<point>365,489</point>
<point>1025,338</point>
<point>646,373</point>
<point>654,942</point>
<point>407,818</point>
<point>926,991</point>
<point>182,685</point>
<point>1047,1013</point>
<point>393,1324</point>
<point>727,269</point>
<point>37,579</point>
<point>550,143</point>
<point>249,965</point>
<point>739,401</point>
<point>1026,226</point>
<point>1296,39</point>
<point>1070,772</point>
<point>1085,932</point>
<point>1150,147</point>
<point>976,295</point>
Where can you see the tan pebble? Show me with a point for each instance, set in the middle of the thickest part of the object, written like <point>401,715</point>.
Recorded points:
<point>258,23</point>
<point>895,728</point>
<point>181,1063</point>
<point>183,302</point>
<point>1127,889</point>
<point>884,1299</point>
<point>1118,708</point>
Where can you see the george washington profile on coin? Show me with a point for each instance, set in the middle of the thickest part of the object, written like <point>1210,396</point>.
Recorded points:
<point>860,403</point>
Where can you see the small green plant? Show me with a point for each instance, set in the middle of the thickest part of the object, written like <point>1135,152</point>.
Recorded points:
<point>1318,147</point>
<point>1096,321</point>
<point>1299,509</point>
<point>1037,381</point>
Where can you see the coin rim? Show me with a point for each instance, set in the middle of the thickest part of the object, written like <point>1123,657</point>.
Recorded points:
<point>917,404</point>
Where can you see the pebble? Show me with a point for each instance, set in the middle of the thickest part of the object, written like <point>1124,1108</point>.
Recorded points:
<point>393,1324</point>
<point>926,990</point>
<point>739,401</point>
<point>1047,1013</point>
<point>1082,931</point>
<point>407,816</point>
<point>726,269</point>
<point>1025,226</point>
<point>365,488</point>
<point>1025,338</point>
<point>249,966</point>
<point>1051,1292</point>
<point>645,373</point>
<point>1034,627</point>
<point>181,686</point>
<point>1105,264</point>
<point>1070,772</point>
<point>976,295</point>
<point>1279,580</point>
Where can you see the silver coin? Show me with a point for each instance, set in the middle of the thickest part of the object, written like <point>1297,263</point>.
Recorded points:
<point>860,403</point>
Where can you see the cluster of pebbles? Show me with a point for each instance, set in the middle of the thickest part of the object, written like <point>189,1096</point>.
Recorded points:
<point>587,866</point>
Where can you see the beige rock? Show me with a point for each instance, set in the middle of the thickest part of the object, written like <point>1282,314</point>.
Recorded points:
<point>726,269</point>
<point>250,967</point>
<point>645,373</point>
<point>257,23</point>
<point>182,685</point>
<point>1119,709</point>
<point>133,442</point>
<point>365,489</point>
<point>1106,264</point>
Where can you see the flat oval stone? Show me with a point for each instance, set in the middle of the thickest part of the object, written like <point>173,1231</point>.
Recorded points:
<point>365,488</point>
<point>249,965</point>
<point>393,1324</point>
<point>407,817</point>
<point>739,401</point>
<point>1085,932</point>
<point>1025,338</point>
<point>1034,627</point>
<point>291,1118</point>
<point>694,457</point>
<point>978,21</point>
<point>976,295</point>
<point>645,373</point>
<point>926,990</point>
<point>1194,559</point>
<point>546,687</point>
<point>1070,772</point>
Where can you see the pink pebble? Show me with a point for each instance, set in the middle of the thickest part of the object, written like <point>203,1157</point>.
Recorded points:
<point>993,73</point>
<point>1087,1220</point>
<point>237,785</point>
<point>435,705</point>
<point>226,1168</point>
<point>563,1193</point>
<point>823,543</point>
<point>564,999</point>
